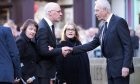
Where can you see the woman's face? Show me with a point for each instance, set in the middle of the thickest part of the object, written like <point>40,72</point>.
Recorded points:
<point>70,31</point>
<point>31,31</point>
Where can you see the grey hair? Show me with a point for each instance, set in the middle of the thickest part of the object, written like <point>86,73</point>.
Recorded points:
<point>50,6</point>
<point>104,4</point>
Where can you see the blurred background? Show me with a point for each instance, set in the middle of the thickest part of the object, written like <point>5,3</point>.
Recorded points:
<point>13,13</point>
<point>79,11</point>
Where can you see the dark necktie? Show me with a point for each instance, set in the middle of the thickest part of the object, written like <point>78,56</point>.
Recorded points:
<point>103,35</point>
<point>53,29</point>
<point>104,32</point>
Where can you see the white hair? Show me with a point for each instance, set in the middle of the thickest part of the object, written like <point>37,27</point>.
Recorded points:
<point>104,4</point>
<point>50,6</point>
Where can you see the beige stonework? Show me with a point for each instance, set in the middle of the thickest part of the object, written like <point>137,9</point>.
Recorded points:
<point>98,71</point>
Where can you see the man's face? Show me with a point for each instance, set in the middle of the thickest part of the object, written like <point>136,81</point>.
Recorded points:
<point>100,12</point>
<point>56,14</point>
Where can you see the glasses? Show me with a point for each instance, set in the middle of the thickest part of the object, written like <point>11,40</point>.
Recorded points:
<point>58,11</point>
<point>70,29</point>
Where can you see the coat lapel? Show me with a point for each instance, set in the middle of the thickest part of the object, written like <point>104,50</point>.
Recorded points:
<point>50,32</point>
<point>110,26</point>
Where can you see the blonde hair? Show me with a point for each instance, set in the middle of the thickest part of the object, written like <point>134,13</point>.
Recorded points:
<point>63,35</point>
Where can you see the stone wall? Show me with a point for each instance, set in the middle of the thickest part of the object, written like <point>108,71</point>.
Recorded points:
<point>98,71</point>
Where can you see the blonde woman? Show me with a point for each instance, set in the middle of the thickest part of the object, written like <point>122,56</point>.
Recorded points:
<point>74,68</point>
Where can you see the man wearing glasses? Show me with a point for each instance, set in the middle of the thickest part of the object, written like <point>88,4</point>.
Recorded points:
<point>46,43</point>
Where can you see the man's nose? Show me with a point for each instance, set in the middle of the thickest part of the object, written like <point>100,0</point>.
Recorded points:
<point>61,13</point>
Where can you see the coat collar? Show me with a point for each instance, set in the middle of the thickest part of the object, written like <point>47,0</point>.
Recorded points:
<point>46,25</point>
<point>25,37</point>
<point>111,25</point>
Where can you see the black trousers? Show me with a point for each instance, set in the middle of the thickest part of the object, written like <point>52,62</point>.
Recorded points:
<point>43,80</point>
<point>119,80</point>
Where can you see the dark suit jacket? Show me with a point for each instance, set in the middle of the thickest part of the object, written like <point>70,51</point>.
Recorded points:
<point>47,62</point>
<point>28,54</point>
<point>117,46</point>
<point>9,56</point>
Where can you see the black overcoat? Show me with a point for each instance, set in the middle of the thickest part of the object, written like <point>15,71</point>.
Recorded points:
<point>73,69</point>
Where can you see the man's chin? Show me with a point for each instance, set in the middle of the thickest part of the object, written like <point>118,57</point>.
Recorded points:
<point>58,20</point>
<point>99,19</point>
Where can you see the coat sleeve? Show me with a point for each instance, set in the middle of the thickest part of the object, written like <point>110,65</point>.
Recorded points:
<point>43,43</point>
<point>13,51</point>
<point>88,46</point>
<point>124,35</point>
<point>21,47</point>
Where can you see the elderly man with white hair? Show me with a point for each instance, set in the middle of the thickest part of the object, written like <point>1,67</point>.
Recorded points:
<point>46,43</point>
<point>115,41</point>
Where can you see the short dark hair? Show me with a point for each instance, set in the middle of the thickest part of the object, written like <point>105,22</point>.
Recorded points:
<point>27,23</point>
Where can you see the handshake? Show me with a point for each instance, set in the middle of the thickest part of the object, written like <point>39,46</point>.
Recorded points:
<point>66,50</point>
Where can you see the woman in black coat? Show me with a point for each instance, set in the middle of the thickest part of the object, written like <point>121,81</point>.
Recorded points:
<point>27,51</point>
<point>74,68</point>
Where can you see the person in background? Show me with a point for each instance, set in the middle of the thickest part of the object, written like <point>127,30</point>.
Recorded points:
<point>13,26</point>
<point>27,49</point>
<point>73,69</point>
<point>91,32</point>
<point>46,67</point>
<point>135,41</point>
<point>9,57</point>
<point>114,38</point>
<point>138,34</point>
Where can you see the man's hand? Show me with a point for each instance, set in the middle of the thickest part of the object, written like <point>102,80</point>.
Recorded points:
<point>30,80</point>
<point>50,48</point>
<point>16,81</point>
<point>66,50</point>
<point>125,71</point>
